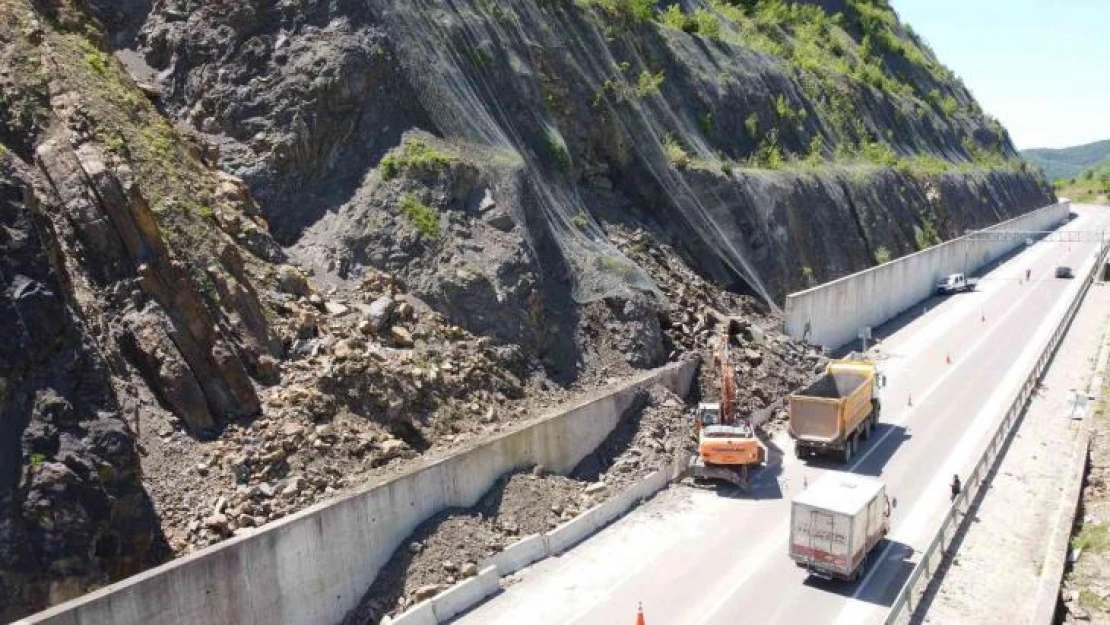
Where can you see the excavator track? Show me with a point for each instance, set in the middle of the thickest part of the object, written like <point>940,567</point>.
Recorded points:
<point>701,472</point>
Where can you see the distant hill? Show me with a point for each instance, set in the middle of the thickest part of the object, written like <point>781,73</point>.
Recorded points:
<point>1070,162</point>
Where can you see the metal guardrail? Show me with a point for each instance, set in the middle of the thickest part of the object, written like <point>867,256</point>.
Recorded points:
<point>1052,236</point>
<point>908,599</point>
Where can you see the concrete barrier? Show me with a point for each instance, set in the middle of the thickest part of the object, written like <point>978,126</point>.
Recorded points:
<point>314,566</point>
<point>419,614</point>
<point>651,484</point>
<point>572,532</point>
<point>466,594</point>
<point>833,313</point>
<point>612,508</point>
<point>582,526</point>
<point>518,555</point>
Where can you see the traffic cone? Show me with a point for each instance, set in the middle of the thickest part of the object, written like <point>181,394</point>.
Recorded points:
<point>909,399</point>
<point>640,615</point>
<point>983,317</point>
<point>948,358</point>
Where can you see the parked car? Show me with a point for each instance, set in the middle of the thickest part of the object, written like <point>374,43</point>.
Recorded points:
<point>1064,272</point>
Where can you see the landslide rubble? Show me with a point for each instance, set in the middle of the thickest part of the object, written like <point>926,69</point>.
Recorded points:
<point>256,254</point>
<point>451,546</point>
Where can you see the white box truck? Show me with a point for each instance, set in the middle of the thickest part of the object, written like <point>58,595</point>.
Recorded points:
<point>836,522</point>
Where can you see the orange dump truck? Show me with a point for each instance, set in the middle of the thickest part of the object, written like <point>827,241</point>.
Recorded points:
<point>831,415</point>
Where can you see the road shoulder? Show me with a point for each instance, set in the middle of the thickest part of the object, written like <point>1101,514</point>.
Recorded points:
<point>1003,558</point>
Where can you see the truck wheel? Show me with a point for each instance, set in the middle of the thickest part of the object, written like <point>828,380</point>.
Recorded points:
<point>865,431</point>
<point>848,451</point>
<point>799,452</point>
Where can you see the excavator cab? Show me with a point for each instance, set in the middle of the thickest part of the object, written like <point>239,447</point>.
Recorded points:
<point>709,413</point>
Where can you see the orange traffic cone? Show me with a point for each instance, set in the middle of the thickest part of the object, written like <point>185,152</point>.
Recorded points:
<point>640,615</point>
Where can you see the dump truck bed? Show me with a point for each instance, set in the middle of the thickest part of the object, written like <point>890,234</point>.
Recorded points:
<point>832,406</point>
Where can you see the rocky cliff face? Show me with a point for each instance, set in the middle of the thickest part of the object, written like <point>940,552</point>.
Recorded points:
<point>595,96</point>
<point>73,508</point>
<point>256,251</point>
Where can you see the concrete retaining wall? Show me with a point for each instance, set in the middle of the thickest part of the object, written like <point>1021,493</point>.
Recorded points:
<point>833,313</point>
<point>465,595</point>
<point>312,567</point>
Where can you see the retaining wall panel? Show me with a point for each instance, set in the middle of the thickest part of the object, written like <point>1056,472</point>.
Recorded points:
<point>466,594</point>
<point>837,310</point>
<point>419,614</point>
<point>572,532</point>
<point>518,555</point>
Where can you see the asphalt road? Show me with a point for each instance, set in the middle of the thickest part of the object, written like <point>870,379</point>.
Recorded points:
<point>696,556</point>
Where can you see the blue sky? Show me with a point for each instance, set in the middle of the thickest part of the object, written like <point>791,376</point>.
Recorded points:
<point>1042,67</point>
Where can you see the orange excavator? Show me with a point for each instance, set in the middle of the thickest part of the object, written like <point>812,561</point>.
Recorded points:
<point>727,445</point>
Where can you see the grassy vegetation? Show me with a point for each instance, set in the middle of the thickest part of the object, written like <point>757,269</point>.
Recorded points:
<point>676,154</point>
<point>618,266</point>
<point>882,255</point>
<point>751,124</point>
<point>625,89</point>
<point>557,151</point>
<point>837,58</point>
<point>700,22</point>
<point>424,217</point>
<point>415,157</point>
<point>625,12</point>
<point>769,155</point>
<point>1090,600</point>
<point>1090,187</point>
<point>1094,538</point>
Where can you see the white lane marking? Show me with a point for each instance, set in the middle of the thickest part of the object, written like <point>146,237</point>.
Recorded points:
<point>766,550</point>
<point>996,280</point>
<point>904,415</point>
<point>959,450</point>
<point>773,544</point>
<point>856,611</point>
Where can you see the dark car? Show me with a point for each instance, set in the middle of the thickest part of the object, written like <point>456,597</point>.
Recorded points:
<point>1064,272</point>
